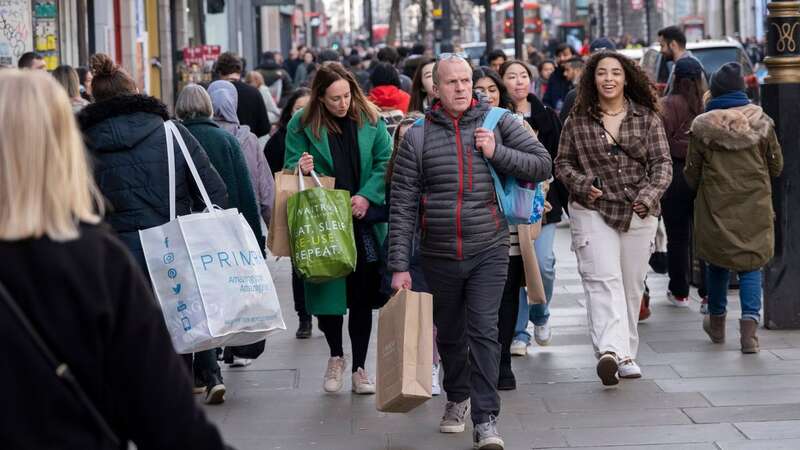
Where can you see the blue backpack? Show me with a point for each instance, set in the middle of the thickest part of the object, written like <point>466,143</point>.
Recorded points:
<point>519,204</point>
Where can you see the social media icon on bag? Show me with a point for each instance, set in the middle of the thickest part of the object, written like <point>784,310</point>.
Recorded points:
<point>172,273</point>
<point>169,258</point>
<point>177,289</point>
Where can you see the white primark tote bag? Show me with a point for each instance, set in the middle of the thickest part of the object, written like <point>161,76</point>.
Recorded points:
<point>213,285</point>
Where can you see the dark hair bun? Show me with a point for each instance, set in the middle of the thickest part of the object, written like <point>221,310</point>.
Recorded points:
<point>102,65</point>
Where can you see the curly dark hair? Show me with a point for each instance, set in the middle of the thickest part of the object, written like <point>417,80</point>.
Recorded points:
<point>487,72</point>
<point>638,86</point>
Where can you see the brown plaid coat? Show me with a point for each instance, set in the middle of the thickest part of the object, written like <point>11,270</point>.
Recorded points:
<point>641,172</point>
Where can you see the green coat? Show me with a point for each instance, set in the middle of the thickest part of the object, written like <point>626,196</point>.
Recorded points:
<point>375,148</point>
<point>226,156</point>
<point>733,153</point>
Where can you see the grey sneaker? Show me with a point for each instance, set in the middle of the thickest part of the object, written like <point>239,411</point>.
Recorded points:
<point>486,437</point>
<point>454,419</point>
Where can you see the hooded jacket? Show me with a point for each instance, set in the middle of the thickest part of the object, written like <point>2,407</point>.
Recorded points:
<point>389,97</point>
<point>224,99</point>
<point>733,153</point>
<point>439,172</point>
<point>126,139</point>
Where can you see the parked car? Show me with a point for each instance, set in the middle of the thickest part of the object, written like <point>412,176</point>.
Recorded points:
<point>712,54</point>
<point>474,51</point>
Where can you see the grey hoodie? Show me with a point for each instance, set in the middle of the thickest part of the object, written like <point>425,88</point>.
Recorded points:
<point>224,99</point>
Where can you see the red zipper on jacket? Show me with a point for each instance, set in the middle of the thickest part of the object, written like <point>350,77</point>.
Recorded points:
<point>460,197</point>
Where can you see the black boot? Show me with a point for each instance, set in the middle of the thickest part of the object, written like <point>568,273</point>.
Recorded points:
<point>304,330</point>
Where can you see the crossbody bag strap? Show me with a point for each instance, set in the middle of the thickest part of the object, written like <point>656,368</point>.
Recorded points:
<point>60,369</point>
<point>600,122</point>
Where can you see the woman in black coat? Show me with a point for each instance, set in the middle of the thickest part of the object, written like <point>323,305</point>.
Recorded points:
<point>124,133</point>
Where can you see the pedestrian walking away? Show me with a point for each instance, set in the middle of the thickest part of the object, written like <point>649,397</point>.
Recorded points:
<point>194,108</point>
<point>250,108</point>
<point>86,301</point>
<point>733,155</point>
<point>678,110</point>
<point>442,172</point>
<point>275,151</point>
<point>614,159</point>
<point>340,134</point>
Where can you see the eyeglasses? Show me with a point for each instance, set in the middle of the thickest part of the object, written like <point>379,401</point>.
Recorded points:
<point>446,56</point>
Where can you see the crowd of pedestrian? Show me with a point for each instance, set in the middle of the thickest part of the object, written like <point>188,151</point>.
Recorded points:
<point>405,134</point>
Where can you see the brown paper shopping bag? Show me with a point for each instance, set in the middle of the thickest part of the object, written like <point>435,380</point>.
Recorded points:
<point>533,277</point>
<point>286,185</point>
<point>405,352</point>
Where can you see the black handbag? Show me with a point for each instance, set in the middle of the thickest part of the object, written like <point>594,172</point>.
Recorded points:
<point>60,369</point>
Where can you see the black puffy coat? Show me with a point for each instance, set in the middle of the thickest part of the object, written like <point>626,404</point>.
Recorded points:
<point>452,186</point>
<point>126,139</point>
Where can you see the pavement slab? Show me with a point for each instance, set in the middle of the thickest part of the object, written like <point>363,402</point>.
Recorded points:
<point>694,395</point>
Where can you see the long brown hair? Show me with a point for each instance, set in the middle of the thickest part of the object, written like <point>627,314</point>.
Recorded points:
<point>316,115</point>
<point>638,87</point>
<point>418,94</point>
<point>692,91</point>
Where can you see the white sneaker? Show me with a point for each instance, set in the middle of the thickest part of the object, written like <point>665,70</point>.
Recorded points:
<point>362,385</point>
<point>607,369</point>
<point>333,374</point>
<point>542,334</point>
<point>629,369</point>
<point>680,302</point>
<point>240,362</point>
<point>436,388</point>
<point>519,348</point>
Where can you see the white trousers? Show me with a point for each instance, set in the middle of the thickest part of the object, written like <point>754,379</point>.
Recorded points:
<point>613,266</point>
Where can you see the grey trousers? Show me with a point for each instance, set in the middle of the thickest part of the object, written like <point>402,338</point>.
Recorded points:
<point>466,301</point>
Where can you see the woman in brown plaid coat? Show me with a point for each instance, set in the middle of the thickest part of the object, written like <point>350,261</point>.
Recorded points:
<point>614,159</point>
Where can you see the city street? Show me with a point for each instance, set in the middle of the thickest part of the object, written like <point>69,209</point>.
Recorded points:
<point>694,394</point>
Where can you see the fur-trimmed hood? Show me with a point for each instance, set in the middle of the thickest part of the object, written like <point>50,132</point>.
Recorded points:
<point>121,122</point>
<point>734,128</point>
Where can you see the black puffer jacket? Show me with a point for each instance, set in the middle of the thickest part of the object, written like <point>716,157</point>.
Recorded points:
<point>547,124</point>
<point>452,183</point>
<point>125,136</point>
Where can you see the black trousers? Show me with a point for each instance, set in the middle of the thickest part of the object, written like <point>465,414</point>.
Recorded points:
<point>677,207</point>
<point>509,308</point>
<point>466,301</point>
<point>298,292</point>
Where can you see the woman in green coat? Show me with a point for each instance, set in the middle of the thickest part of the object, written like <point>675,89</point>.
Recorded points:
<point>733,154</point>
<point>340,134</point>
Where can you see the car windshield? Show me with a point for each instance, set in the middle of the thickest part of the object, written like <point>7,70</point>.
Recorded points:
<point>713,58</point>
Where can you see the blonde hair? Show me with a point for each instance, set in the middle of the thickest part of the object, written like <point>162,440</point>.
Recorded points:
<point>193,103</point>
<point>254,78</point>
<point>45,184</point>
<point>68,78</point>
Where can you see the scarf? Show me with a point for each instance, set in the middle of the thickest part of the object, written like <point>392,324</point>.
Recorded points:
<point>225,100</point>
<point>729,100</point>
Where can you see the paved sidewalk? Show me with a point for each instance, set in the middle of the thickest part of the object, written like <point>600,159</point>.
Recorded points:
<point>694,395</point>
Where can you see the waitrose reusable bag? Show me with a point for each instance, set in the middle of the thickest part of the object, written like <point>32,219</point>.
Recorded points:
<point>208,272</point>
<point>405,350</point>
<point>321,232</point>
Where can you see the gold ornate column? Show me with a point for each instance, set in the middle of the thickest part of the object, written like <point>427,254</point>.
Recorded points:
<point>783,42</point>
<point>781,100</point>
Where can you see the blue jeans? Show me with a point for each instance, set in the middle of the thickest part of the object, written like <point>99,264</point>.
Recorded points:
<point>717,280</point>
<point>538,314</point>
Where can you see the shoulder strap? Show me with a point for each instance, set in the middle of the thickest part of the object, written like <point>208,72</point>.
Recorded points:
<point>642,162</point>
<point>493,117</point>
<point>61,369</point>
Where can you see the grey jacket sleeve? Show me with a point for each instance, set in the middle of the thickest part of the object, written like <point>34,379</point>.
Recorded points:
<point>406,189</point>
<point>519,153</point>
